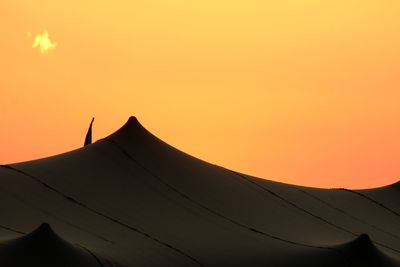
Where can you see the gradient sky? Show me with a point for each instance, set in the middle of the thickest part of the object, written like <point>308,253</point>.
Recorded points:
<point>304,92</point>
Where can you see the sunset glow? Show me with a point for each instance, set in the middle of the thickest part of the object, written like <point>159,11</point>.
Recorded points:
<point>303,92</point>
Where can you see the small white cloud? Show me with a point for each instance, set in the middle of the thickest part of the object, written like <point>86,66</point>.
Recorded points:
<point>43,42</point>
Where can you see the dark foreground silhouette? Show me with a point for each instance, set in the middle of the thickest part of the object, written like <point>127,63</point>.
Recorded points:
<point>132,200</point>
<point>43,247</point>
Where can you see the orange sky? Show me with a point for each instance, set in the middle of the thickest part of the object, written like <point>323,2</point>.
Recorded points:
<point>304,92</point>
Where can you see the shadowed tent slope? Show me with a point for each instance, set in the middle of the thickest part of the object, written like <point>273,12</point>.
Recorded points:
<point>396,185</point>
<point>361,252</point>
<point>137,201</point>
<point>43,247</point>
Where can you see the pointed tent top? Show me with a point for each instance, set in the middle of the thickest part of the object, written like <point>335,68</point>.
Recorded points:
<point>360,243</point>
<point>362,251</point>
<point>43,247</point>
<point>132,128</point>
<point>363,239</point>
<point>43,232</point>
<point>133,119</point>
<point>44,228</point>
<point>132,122</point>
<point>363,242</point>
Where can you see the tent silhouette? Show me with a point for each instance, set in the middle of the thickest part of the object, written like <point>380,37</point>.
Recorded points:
<point>132,200</point>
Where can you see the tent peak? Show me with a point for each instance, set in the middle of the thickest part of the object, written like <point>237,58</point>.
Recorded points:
<point>133,120</point>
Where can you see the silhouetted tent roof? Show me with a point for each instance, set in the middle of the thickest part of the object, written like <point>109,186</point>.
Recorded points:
<point>132,200</point>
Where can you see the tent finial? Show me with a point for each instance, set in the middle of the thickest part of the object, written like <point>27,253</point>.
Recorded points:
<point>88,138</point>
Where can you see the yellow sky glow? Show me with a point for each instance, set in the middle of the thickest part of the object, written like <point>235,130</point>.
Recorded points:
<point>43,43</point>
